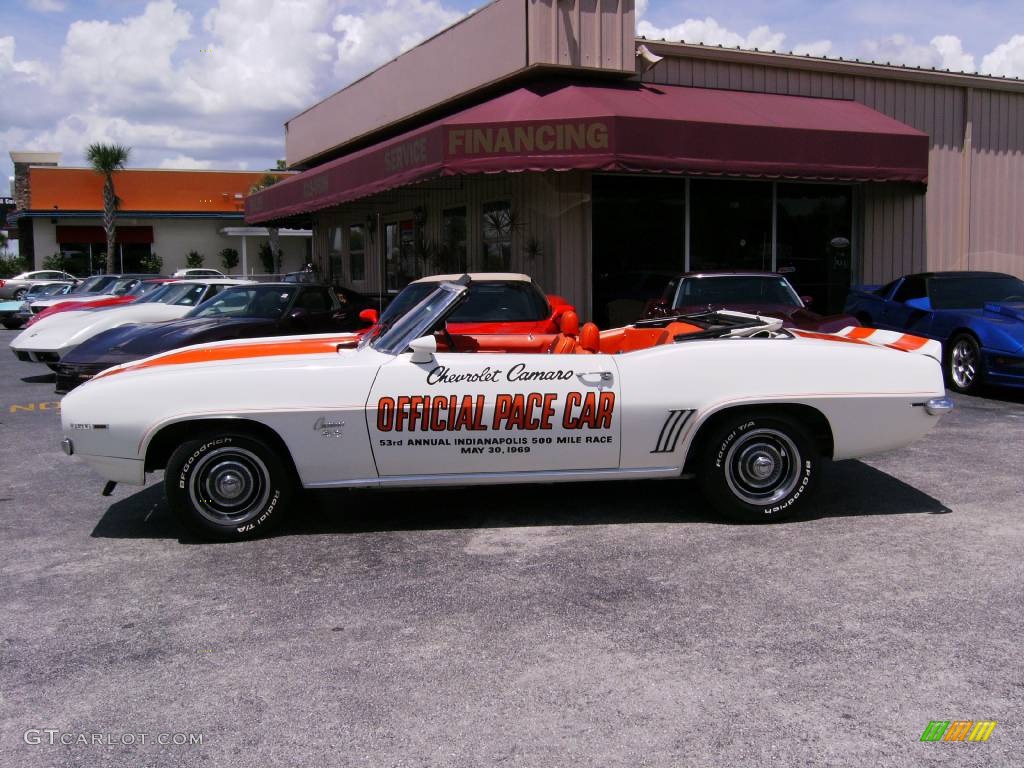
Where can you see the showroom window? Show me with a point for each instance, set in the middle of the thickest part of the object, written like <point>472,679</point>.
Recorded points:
<point>334,254</point>
<point>453,255</point>
<point>357,253</point>
<point>497,237</point>
<point>731,225</point>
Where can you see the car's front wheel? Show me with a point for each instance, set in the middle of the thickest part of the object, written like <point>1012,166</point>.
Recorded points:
<point>759,467</point>
<point>228,486</point>
<point>963,364</point>
<point>13,325</point>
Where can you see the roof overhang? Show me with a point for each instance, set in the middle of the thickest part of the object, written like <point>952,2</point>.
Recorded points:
<point>631,127</point>
<point>262,232</point>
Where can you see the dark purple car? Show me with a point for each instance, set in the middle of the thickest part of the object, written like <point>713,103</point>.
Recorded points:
<point>760,293</point>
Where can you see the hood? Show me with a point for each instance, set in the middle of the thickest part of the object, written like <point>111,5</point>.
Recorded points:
<point>1011,309</point>
<point>132,342</point>
<point>70,328</point>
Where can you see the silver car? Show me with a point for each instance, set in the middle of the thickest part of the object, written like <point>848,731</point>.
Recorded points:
<point>17,286</point>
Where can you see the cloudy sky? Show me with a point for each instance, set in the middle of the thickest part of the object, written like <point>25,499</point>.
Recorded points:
<point>188,83</point>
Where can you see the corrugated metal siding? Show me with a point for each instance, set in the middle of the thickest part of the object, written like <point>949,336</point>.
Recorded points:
<point>581,33</point>
<point>901,228</point>
<point>554,208</point>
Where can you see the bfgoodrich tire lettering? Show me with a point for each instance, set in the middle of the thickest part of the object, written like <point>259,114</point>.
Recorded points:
<point>759,467</point>
<point>228,486</point>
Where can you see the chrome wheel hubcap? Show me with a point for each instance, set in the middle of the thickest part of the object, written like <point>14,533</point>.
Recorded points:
<point>762,467</point>
<point>229,485</point>
<point>964,364</point>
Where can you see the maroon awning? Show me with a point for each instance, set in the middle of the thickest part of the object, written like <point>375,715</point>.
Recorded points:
<point>93,234</point>
<point>631,127</point>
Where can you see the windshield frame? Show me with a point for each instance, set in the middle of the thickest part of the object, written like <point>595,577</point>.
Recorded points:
<point>786,285</point>
<point>394,339</point>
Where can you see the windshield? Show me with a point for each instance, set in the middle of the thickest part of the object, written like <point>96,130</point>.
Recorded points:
<point>95,284</point>
<point>123,286</point>
<point>973,292</point>
<point>179,294</point>
<point>735,289</point>
<point>489,301</point>
<point>47,290</point>
<point>267,301</point>
<point>420,320</point>
<point>146,287</point>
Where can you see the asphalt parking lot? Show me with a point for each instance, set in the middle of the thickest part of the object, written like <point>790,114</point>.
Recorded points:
<point>587,625</point>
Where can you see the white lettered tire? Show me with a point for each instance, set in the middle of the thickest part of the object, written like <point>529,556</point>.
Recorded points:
<point>228,486</point>
<point>759,467</point>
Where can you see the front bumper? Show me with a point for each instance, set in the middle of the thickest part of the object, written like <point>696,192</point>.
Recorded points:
<point>33,356</point>
<point>71,376</point>
<point>129,471</point>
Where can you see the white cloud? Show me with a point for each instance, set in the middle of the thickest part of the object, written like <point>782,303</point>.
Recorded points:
<point>942,52</point>
<point>817,48</point>
<point>47,6</point>
<point>128,64</point>
<point>370,38</point>
<point>262,55</point>
<point>710,32</point>
<point>640,8</point>
<point>185,161</point>
<point>9,66</point>
<point>1006,58</point>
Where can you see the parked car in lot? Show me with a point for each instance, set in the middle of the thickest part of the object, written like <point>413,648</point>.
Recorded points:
<point>978,316</point>
<point>760,293</point>
<point>140,289</point>
<point>95,287</point>
<point>14,313</point>
<point>49,340</point>
<point>198,272</point>
<point>16,287</point>
<point>498,302</point>
<point>239,312</point>
<point>238,426</point>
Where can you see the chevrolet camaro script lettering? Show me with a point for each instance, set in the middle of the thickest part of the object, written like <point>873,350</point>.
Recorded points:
<point>748,407</point>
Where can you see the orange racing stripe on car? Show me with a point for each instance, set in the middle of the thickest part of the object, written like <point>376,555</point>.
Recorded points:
<point>828,337</point>
<point>237,352</point>
<point>908,343</point>
<point>860,333</point>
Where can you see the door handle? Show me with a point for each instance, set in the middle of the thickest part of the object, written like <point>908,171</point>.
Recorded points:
<point>589,377</point>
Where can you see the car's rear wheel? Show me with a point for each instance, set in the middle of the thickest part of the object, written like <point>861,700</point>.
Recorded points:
<point>228,486</point>
<point>19,294</point>
<point>13,325</point>
<point>963,364</point>
<point>759,467</point>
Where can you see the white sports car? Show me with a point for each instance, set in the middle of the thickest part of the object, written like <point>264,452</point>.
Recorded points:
<point>748,407</point>
<point>50,339</point>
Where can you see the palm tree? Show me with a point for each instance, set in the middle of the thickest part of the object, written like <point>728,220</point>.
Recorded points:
<point>269,180</point>
<point>105,159</point>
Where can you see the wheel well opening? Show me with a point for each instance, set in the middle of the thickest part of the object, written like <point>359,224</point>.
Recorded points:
<point>810,418</point>
<point>170,437</point>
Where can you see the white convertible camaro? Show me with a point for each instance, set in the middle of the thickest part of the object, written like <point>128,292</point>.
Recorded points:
<point>749,408</point>
<point>53,337</point>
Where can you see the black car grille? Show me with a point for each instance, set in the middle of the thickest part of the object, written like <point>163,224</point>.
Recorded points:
<point>70,376</point>
<point>25,357</point>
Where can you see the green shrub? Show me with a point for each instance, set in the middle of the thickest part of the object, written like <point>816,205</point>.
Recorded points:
<point>229,259</point>
<point>267,257</point>
<point>194,260</point>
<point>151,263</point>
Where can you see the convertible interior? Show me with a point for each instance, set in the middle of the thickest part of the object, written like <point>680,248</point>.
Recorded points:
<point>572,338</point>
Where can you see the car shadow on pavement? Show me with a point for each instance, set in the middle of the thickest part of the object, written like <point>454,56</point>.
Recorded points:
<point>846,488</point>
<point>43,378</point>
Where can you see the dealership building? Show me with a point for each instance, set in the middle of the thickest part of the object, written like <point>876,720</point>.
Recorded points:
<point>543,136</point>
<point>59,210</point>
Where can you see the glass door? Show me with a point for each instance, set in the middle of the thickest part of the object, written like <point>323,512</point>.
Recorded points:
<point>401,262</point>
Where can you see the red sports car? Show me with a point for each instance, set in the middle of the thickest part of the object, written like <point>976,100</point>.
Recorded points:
<point>141,288</point>
<point>761,293</point>
<point>498,302</point>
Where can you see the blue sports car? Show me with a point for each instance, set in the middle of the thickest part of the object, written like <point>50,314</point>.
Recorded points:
<point>978,317</point>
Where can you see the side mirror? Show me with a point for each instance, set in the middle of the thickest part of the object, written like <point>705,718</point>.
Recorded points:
<point>423,349</point>
<point>807,300</point>
<point>370,316</point>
